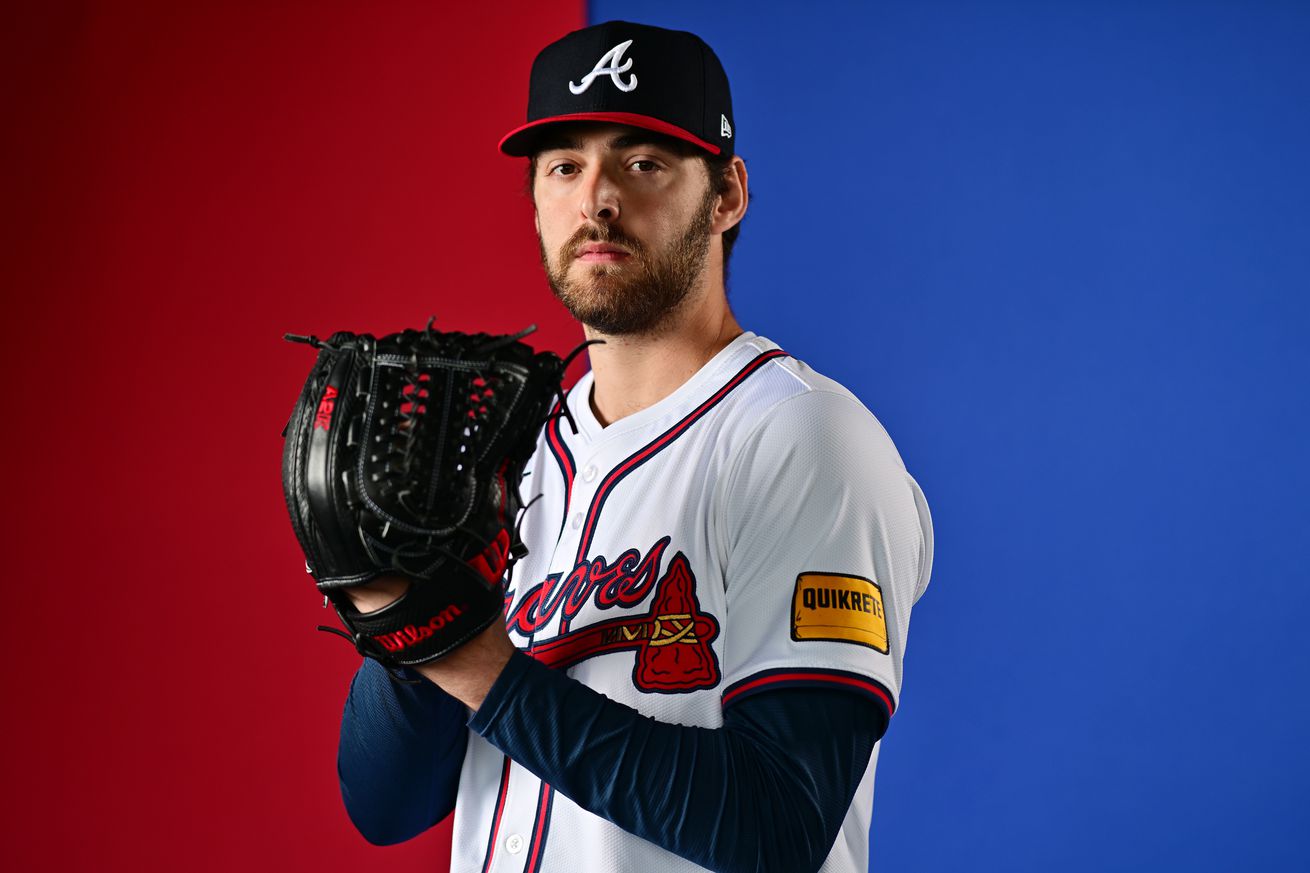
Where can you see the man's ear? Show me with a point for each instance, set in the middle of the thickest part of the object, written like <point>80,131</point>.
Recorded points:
<point>732,202</point>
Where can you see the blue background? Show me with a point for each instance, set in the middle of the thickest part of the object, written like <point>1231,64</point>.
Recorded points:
<point>1062,251</point>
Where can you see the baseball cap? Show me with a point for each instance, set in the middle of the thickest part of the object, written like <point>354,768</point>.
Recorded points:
<point>668,81</point>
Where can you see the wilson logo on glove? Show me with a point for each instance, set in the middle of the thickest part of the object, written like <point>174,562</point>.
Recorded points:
<point>409,635</point>
<point>323,417</point>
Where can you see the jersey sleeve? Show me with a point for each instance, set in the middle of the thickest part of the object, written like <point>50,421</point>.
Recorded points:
<point>828,544</point>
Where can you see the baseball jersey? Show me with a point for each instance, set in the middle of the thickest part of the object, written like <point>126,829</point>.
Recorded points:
<point>754,530</point>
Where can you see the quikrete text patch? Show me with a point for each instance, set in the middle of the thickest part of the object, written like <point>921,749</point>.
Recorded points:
<point>845,609</point>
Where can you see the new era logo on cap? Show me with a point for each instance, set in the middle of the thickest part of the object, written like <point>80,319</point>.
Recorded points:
<point>683,89</point>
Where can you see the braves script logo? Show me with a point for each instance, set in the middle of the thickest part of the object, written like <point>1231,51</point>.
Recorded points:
<point>617,65</point>
<point>671,640</point>
<point>323,417</point>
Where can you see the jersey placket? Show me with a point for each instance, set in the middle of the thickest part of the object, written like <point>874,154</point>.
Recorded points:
<point>565,558</point>
<point>511,845</point>
<point>520,830</point>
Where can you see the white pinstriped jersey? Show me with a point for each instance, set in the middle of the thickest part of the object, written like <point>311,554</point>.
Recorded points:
<point>754,530</point>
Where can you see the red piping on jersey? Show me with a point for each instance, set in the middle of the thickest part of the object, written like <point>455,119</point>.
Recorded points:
<point>545,800</point>
<point>564,457</point>
<point>868,686</point>
<point>495,820</point>
<point>661,442</point>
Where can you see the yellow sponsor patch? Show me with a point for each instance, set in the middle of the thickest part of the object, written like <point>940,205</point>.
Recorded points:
<point>846,609</point>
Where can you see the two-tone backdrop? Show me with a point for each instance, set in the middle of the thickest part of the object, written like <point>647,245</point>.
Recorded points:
<point>1062,250</point>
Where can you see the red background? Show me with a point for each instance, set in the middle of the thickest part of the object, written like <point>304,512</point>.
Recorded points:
<point>183,184</point>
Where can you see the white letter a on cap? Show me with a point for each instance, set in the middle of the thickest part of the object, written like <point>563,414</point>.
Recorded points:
<point>616,65</point>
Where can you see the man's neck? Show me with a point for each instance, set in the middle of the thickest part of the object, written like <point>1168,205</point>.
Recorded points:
<point>636,372</point>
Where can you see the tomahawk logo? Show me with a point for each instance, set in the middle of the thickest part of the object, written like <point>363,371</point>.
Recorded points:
<point>610,64</point>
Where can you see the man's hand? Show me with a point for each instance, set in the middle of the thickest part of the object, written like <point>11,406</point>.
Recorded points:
<point>466,674</point>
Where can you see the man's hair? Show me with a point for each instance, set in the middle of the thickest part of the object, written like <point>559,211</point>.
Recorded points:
<point>718,167</point>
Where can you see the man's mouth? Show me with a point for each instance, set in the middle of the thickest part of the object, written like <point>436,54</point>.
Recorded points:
<point>601,253</point>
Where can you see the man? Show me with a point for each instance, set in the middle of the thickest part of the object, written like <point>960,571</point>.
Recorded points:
<point>704,643</point>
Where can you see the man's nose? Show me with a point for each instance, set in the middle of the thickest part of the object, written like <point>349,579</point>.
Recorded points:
<point>600,198</point>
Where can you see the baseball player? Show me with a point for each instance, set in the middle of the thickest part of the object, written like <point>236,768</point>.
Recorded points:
<point>703,645</point>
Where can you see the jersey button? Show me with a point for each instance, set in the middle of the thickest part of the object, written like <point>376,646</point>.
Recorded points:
<point>589,473</point>
<point>577,520</point>
<point>514,844</point>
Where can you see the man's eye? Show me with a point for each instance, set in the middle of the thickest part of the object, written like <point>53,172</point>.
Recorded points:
<point>562,170</point>
<point>644,166</point>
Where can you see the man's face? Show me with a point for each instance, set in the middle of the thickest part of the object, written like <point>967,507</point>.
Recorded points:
<point>623,219</point>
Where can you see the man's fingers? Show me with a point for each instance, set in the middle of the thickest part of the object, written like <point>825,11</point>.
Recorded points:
<point>379,593</point>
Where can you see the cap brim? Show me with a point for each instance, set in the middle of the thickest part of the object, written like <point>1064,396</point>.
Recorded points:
<point>521,141</point>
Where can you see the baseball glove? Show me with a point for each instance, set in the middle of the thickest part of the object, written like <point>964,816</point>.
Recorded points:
<point>403,457</point>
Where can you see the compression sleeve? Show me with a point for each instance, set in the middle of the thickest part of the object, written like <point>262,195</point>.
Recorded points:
<point>400,754</point>
<point>767,791</point>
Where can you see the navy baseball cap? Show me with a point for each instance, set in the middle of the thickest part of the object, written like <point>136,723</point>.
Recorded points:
<point>668,81</point>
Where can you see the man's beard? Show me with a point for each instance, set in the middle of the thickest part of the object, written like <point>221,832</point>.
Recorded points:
<point>615,305</point>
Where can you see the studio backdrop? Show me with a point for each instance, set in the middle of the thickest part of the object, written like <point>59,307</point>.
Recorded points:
<point>1061,250</point>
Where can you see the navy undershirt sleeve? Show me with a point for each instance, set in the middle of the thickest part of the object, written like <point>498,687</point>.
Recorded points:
<point>400,754</point>
<point>766,792</point>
